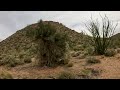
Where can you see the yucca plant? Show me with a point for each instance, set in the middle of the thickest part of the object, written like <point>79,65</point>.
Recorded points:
<point>101,34</point>
<point>51,44</point>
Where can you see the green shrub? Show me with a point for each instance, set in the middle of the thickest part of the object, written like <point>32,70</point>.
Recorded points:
<point>110,53</point>
<point>12,64</point>
<point>66,75</point>
<point>89,73</point>
<point>11,61</point>
<point>92,60</point>
<point>86,72</point>
<point>8,60</point>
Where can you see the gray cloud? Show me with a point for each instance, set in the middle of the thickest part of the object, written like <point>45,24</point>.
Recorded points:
<point>11,21</point>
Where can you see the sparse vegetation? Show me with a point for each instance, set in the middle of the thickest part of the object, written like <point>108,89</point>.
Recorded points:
<point>51,44</point>
<point>86,72</point>
<point>81,56</point>
<point>75,54</point>
<point>11,61</point>
<point>110,53</point>
<point>5,75</point>
<point>89,73</point>
<point>89,51</point>
<point>66,75</point>
<point>78,48</point>
<point>92,60</point>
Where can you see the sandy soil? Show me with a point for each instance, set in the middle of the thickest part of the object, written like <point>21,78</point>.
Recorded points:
<point>110,67</point>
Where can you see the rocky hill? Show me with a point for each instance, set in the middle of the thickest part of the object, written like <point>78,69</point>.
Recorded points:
<point>19,45</point>
<point>116,40</point>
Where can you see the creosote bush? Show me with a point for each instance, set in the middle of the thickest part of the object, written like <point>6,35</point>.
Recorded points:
<point>52,45</point>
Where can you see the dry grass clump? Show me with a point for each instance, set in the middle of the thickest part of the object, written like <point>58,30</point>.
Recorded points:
<point>66,75</point>
<point>110,53</point>
<point>92,60</point>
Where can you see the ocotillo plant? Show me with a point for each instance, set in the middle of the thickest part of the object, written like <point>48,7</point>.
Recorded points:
<point>101,34</point>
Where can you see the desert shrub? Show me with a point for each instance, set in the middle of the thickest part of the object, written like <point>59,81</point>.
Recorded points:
<point>75,54</point>
<point>12,64</point>
<point>52,45</point>
<point>11,61</point>
<point>78,48</point>
<point>66,75</point>
<point>81,56</point>
<point>27,60</point>
<point>92,60</point>
<point>83,77</point>
<point>89,51</point>
<point>5,75</point>
<point>88,73</point>
<point>101,34</point>
<point>21,56</point>
<point>69,65</point>
<point>110,52</point>
<point>7,60</point>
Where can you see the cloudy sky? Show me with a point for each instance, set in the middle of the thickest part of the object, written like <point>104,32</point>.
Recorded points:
<point>11,21</point>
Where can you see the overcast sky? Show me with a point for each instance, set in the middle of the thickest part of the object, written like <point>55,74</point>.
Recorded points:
<point>11,21</point>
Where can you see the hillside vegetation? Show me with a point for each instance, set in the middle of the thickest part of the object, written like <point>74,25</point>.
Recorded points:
<point>20,48</point>
<point>34,51</point>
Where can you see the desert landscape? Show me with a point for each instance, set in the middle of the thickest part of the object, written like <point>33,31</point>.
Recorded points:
<point>50,50</point>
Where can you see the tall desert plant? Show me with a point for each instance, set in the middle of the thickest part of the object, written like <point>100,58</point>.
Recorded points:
<point>101,34</point>
<point>51,44</point>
